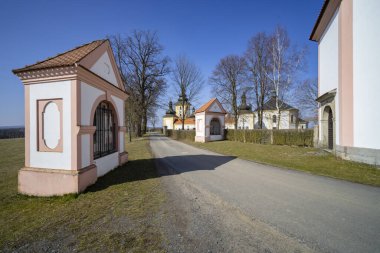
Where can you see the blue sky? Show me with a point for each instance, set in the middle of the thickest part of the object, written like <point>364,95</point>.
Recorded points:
<point>204,30</point>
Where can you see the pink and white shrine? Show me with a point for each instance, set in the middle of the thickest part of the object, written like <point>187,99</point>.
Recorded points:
<point>74,120</point>
<point>209,122</point>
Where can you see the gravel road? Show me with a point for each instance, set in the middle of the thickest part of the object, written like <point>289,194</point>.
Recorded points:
<point>223,204</point>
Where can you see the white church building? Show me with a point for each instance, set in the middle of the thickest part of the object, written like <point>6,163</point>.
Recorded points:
<point>348,37</point>
<point>74,120</point>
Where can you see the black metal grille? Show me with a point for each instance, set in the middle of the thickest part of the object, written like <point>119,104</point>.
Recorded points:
<point>105,134</point>
<point>214,127</point>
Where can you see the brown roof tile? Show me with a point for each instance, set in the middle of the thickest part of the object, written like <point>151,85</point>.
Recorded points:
<point>207,105</point>
<point>64,59</point>
<point>187,121</point>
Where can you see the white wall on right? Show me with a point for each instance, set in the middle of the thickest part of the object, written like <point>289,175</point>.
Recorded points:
<point>366,56</point>
<point>328,68</point>
<point>328,48</point>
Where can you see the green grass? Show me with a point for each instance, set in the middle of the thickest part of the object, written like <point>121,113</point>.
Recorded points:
<point>119,213</point>
<point>310,160</point>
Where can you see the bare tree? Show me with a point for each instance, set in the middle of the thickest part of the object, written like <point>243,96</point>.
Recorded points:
<point>257,58</point>
<point>143,67</point>
<point>188,81</point>
<point>228,80</point>
<point>285,62</point>
<point>131,117</point>
<point>306,95</point>
<point>152,117</point>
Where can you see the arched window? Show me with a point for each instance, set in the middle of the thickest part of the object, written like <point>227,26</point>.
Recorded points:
<point>105,133</point>
<point>274,118</point>
<point>215,127</point>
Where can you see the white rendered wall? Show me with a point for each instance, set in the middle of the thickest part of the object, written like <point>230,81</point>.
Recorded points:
<point>187,126</point>
<point>168,122</point>
<point>246,120</point>
<point>103,68</point>
<point>200,124</point>
<point>51,160</point>
<point>215,108</point>
<point>268,120</point>
<point>285,119</point>
<point>366,56</point>
<point>107,163</point>
<point>88,96</point>
<point>328,66</point>
<point>85,145</point>
<point>328,57</point>
<point>120,109</point>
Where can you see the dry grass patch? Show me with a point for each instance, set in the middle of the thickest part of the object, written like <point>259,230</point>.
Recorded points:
<point>119,213</point>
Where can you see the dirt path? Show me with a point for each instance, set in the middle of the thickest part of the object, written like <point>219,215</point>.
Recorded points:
<point>198,221</point>
<point>223,204</point>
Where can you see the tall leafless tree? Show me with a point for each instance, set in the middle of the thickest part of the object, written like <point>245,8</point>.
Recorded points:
<point>257,58</point>
<point>228,81</point>
<point>188,81</point>
<point>141,62</point>
<point>306,95</point>
<point>285,62</point>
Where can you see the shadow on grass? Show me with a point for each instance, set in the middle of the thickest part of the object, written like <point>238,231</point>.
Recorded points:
<point>137,170</point>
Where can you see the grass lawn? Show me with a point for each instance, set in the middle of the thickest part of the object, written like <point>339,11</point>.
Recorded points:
<point>311,160</point>
<point>118,213</point>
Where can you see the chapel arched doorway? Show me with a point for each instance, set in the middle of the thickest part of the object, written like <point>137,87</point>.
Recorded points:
<point>215,127</point>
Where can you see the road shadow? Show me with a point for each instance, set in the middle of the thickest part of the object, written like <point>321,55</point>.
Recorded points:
<point>143,169</point>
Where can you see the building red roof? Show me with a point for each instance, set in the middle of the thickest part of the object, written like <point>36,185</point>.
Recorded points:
<point>188,121</point>
<point>65,59</point>
<point>327,12</point>
<point>206,106</point>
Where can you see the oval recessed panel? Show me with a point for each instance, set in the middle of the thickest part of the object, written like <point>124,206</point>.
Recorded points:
<point>51,125</point>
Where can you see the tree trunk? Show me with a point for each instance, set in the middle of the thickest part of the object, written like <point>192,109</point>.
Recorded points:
<point>138,130</point>
<point>183,113</point>
<point>130,130</point>
<point>144,122</point>
<point>278,119</point>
